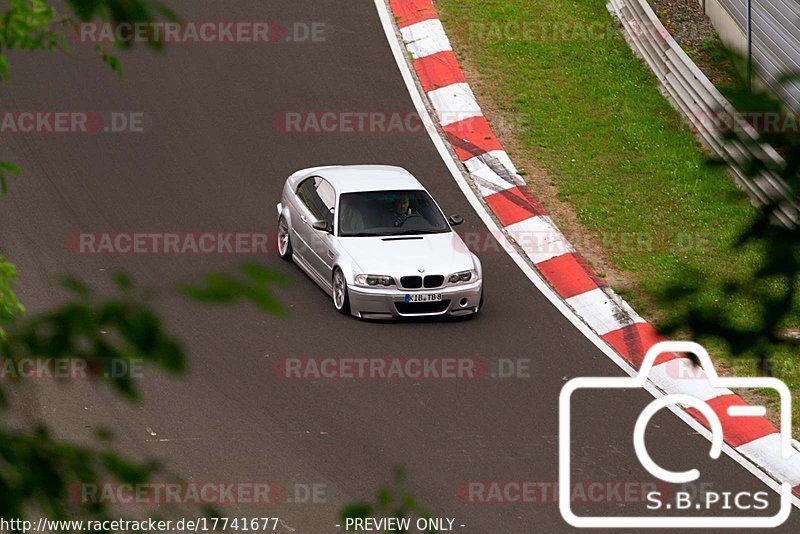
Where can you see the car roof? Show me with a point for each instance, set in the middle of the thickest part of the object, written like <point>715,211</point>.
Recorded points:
<point>358,178</point>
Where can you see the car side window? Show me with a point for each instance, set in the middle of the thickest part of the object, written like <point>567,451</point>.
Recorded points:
<point>319,197</point>
<point>307,193</point>
<point>327,197</point>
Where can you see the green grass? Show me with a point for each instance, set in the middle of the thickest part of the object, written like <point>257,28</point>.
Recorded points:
<point>590,113</point>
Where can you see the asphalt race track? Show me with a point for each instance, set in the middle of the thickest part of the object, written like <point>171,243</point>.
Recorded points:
<point>211,159</point>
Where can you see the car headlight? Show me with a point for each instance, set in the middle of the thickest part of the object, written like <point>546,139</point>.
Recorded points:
<point>463,277</point>
<point>373,280</point>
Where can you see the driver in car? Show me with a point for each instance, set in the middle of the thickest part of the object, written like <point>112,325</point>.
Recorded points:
<point>402,211</point>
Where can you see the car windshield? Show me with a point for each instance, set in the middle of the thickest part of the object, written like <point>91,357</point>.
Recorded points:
<point>387,213</point>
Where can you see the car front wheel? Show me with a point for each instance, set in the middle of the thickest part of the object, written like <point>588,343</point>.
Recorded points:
<point>341,298</point>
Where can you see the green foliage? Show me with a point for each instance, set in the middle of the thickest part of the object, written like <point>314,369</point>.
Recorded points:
<point>10,307</point>
<point>590,113</point>
<point>110,59</point>
<point>35,25</point>
<point>769,287</point>
<point>6,166</point>
<point>584,109</point>
<point>29,25</point>
<point>104,332</point>
<point>38,25</point>
<point>121,10</point>
<point>255,288</point>
<point>389,502</point>
<point>37,469</point>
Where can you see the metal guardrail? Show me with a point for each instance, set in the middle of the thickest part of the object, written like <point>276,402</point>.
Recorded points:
<point>703,105</point>
<point>775,40</point>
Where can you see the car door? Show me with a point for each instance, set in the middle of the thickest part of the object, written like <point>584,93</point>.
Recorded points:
<point>315,202</point>
<point>302,219</point>
<point>321,241</point>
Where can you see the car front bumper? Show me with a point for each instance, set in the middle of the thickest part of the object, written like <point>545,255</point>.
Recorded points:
<point>388,303</point>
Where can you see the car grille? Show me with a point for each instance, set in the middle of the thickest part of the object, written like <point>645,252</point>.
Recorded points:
<point>411,282</point>
<point>412,308</point>
<point>435,280</point>
<point>416,282</point>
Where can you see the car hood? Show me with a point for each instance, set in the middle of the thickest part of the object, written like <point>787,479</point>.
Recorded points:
<point>442,254</point>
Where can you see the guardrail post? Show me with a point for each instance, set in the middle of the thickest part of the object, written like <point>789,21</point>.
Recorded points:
<point>695,97</point>
<point>749,44</point>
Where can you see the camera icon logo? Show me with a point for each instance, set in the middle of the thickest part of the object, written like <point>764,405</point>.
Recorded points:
<point>687,400</point>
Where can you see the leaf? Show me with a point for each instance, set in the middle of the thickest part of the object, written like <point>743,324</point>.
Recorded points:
<point>384,498</point>
<point>76,286</point>
<point>261,274</point>
<point>3,67</point>
<point>112,61</point>
<point>360,510</point>
<point>254,286</point>
<point>6,166</point>
<point>10,307</point>
<point>399,475</point>
<point>123,281</point>
<point>114,335</point>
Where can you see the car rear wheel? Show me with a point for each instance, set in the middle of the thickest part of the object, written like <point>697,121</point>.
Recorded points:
<point>341,299</point>
<point>284,242</point>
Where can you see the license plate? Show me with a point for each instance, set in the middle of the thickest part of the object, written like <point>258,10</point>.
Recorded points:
<point>424,297</point>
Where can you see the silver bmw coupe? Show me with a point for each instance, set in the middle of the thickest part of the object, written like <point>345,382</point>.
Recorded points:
<point>375,240</point>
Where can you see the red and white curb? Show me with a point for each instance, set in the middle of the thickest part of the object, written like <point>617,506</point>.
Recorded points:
<point>518,213</point>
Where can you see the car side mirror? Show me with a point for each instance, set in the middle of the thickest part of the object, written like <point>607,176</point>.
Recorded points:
<point>455,220</point>
<point>322,226</point>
